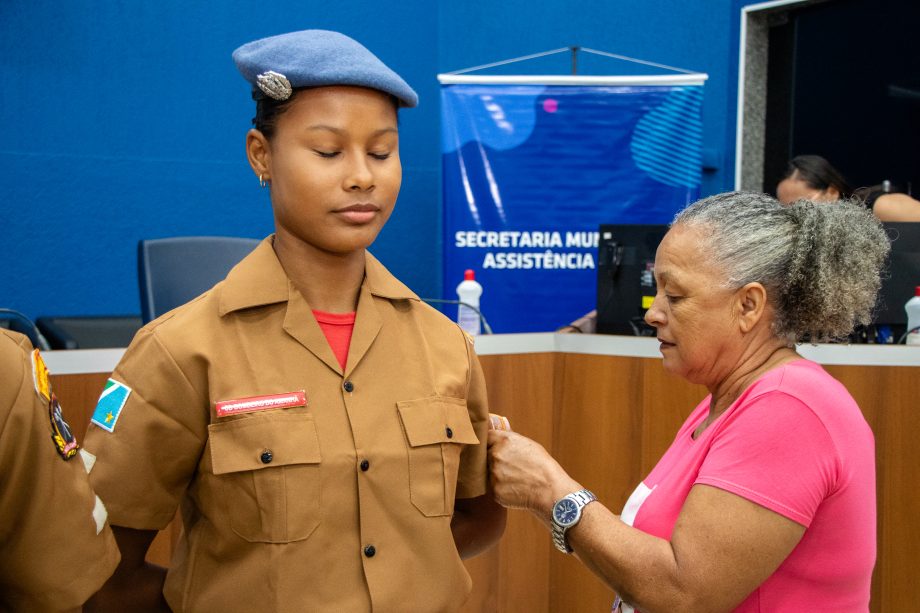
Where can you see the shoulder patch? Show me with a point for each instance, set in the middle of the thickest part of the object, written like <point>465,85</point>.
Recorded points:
<point>40,376</point>
<point>61,434</point>
<point>111,402</point>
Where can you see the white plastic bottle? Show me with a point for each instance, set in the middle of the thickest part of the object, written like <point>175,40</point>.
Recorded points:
<point>913,318</point>
<point>468,292</point>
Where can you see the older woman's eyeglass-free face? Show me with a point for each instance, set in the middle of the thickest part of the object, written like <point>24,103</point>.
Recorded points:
<point>693,311</point>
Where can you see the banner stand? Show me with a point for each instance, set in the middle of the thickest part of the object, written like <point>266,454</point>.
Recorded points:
<point>534,164</point>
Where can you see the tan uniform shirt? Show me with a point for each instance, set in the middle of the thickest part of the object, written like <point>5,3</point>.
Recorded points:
<point>340,499</point>
<point>55,547</point>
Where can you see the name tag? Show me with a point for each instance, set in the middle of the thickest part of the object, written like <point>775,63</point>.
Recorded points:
<point>261,403</point>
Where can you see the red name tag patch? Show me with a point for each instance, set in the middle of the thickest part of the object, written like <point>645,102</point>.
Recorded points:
<point>261,403</point>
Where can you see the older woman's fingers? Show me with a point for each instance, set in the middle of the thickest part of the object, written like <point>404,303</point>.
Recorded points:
<point>498,422</point>
<point>516,467</point>
<point>497,435</point>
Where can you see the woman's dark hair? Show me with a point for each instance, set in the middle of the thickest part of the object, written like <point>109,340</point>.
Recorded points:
<point>268,110</point>
<point>817,173</point>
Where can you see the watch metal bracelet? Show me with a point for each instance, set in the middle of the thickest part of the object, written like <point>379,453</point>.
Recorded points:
<point>580,498</point>
<point>583,497</point>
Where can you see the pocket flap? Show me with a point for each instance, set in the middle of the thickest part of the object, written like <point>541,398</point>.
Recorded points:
<point>239,445</point>
<point>427,421</point>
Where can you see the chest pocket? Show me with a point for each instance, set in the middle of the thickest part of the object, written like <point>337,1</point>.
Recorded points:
<point>436,430</point>
<point>268,473</point>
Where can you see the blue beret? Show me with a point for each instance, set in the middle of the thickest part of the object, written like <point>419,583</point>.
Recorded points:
<point>314,58</point>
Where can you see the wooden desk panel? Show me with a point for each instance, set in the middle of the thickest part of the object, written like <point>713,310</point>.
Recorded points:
<point>890,400</point>
<point>608,419</point>
<point>78,395</point>
<point>599,431</point>
<point>615,417</point>
<point>521,387</point>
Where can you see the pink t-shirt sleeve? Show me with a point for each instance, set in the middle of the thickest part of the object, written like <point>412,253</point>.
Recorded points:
<point>775,452</point>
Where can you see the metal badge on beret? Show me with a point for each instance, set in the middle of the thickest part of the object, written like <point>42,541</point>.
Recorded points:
<point>275,85</point>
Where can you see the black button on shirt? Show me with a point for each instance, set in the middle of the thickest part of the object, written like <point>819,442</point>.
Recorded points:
<point>370,551</point>
<point>266,456</point>
<point>365,464</point>
<point>349,386</point>
<point>450,433</point>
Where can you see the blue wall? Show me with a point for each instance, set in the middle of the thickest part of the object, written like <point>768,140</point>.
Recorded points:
<point>126,120</point>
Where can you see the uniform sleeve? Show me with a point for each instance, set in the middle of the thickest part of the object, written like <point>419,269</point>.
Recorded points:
<point>776,453</point>
<point>473,475</point>
<point>56,549</point>
<point>147,447</point>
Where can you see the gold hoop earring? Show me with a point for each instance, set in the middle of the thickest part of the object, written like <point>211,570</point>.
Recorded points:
<point>262,182</point>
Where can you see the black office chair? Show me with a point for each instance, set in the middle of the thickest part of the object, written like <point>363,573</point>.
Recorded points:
<point>90,331</point>
<point>11,319</point>
<point>172,271</point>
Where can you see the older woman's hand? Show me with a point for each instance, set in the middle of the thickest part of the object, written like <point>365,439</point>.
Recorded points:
<point>524,475</point>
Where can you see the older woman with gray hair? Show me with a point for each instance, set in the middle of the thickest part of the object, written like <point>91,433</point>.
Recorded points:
<point>765,500</point>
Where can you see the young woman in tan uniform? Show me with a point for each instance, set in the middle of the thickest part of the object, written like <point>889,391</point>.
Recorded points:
<point>323,429</point>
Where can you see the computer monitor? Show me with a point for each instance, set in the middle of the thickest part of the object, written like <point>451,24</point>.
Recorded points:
<point>902,276</point>
<point>626,282</point>
<point>625,277</point>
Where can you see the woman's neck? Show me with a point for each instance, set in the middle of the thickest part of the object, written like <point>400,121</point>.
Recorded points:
<point>328,281</point>
<point>766,356</point>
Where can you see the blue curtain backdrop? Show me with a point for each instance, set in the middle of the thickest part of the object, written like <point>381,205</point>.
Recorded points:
<point>531,171</point>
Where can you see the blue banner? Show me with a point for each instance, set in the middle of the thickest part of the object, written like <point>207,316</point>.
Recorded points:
<point>531,171</point>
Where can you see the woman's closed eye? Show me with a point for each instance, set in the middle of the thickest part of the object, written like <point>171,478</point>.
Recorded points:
<point>380,156</point>
<point>326,154</point>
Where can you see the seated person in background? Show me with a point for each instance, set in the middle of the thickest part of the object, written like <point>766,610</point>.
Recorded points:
<point>888,205</point>
<point>811,177</point>
<point>586,324</point>
<point>56,547</point>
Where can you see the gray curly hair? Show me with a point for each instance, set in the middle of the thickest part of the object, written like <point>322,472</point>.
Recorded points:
<point>820,263</point>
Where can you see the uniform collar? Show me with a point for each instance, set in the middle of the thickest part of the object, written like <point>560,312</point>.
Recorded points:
<point>259,280</point>
<point>382,283</point>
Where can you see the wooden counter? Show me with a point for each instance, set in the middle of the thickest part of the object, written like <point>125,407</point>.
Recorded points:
<point>606,410</point>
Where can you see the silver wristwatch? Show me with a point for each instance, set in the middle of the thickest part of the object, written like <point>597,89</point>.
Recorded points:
<point>567,513</point>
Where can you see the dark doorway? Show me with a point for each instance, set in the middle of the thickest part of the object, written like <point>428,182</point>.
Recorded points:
<point>843,82</point>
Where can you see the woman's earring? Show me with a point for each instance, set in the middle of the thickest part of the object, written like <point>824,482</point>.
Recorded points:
<point>262,182</point>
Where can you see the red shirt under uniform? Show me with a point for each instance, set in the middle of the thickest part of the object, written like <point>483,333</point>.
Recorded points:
<point>338,328</point>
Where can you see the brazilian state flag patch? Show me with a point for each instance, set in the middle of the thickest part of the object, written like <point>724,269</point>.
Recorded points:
<point>111,402</point>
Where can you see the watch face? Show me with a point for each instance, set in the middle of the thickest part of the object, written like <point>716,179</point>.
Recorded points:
<point>565,512</point>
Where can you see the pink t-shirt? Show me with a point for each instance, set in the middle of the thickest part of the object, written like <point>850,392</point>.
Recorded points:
<point>796,443</point>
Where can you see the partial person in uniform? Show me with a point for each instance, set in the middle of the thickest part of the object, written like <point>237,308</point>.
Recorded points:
<point>322,428</point>
<point>56,548</point>
<point>765,501</point>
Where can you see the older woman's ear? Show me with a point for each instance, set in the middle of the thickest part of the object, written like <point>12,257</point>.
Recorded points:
<point>751,305</point>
